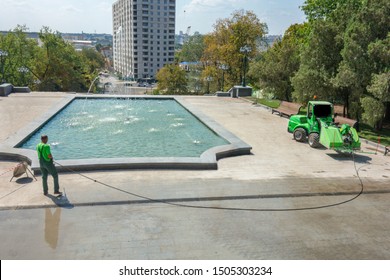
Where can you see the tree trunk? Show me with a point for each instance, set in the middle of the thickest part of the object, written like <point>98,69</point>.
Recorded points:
<point>387,113</point>
<point>346,103</point>
<point>379,125</point>
<point>287,96</point>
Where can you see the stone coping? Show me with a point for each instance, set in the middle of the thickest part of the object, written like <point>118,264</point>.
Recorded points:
<point>10,150</point>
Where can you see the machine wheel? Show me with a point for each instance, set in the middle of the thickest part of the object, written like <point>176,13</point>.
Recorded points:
<point>299,134</point>
<point>314,140</point>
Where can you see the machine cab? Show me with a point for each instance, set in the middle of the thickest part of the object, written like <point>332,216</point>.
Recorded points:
<point>320,110</point>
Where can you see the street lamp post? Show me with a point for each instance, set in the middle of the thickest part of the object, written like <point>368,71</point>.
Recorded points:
<point>3,55</point>
<point>208,79</point>
<point>245,50</point>
<point>223,67</point>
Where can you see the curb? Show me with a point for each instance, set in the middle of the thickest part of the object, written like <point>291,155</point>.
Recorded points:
<point>256,104</point>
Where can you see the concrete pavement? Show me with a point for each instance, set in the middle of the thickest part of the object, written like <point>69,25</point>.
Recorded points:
<point>113,220</point>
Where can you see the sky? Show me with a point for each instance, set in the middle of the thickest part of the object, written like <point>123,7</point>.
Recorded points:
<point>90,16</point>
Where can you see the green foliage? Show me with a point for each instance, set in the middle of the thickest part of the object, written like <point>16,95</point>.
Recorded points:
<point>342,54</point>
<point>18,49</point>
<point>279,63</point>
<point>172,80</point>
<point>318,9</point>
<point>369,133</point>
<point>52,66</point>
<point>319,60</point>
<point>223,45</point>
<point>375,105</point>
<point>272,103</point>
<point>193,49</point>
<point>366,60</point>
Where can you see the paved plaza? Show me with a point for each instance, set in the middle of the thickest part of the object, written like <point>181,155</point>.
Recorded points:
<point>271,204</point>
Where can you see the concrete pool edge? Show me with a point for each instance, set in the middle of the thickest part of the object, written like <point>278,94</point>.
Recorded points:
<point>208,160</point>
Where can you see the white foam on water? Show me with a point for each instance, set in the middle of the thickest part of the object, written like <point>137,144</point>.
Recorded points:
<point>131,119</point>
<point>177,125</point>
<point>153,130</point>
<point>88,128</point>
<point>74,124</point>
<point>108,119</point>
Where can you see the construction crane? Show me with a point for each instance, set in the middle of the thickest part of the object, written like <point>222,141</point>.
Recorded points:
<point>186,36</point>
<point>188,30</point>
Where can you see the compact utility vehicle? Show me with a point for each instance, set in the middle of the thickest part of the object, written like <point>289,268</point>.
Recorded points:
<point>319,128</point>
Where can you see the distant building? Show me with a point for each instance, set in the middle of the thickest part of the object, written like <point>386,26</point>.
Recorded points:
<point>144,36</point>
<point>81,44</point>
<point>79,40</point>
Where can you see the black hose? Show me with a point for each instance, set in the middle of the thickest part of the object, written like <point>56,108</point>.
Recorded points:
<point>228,208</point>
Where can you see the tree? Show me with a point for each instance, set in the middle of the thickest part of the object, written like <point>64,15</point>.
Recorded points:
<point>319,61</point>
<point>54,66</point>
<point>376,105</point>
<point>19,51</point>
<point>172,80</point>
<point>321,54</point>
<point>193,49</point>
<point>279,63</point>
<point>322,9</point>
<point>223,45</point>
<point>366,59</point>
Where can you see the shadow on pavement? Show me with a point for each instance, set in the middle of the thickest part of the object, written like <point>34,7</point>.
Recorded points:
<point>24,180</point>
<point>348,157</point>
<point>61,201</point>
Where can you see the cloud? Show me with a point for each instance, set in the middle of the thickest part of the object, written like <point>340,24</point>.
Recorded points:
<point>105,6</point>
<point>71,9</point>
<point>16,3</point>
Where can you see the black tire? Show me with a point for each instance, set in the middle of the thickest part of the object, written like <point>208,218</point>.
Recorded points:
<point>314,140</point>
<point>299,134</point>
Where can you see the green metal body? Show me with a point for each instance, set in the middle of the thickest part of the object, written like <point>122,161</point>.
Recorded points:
<point>319,120</point>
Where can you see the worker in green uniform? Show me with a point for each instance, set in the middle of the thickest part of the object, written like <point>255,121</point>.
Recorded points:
<point>47,165</point>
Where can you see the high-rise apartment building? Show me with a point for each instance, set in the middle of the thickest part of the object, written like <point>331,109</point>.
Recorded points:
<point>144,36</point>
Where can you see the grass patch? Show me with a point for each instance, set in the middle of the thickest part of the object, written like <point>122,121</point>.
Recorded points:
<point>272,103</point>
<point>367,132</point>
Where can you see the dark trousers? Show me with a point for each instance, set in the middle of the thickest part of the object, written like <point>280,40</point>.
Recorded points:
<point>47,167</point>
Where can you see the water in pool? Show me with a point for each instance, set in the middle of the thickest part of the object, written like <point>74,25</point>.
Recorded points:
<point>122,128</point>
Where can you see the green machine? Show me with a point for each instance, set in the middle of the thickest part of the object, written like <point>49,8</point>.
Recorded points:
<point>319,127</point>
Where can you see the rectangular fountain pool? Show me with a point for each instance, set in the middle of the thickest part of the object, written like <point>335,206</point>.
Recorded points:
<point>119,132</point>
<point>126,127</point>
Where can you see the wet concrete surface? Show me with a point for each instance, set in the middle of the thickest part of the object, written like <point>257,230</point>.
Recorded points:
<point>173,214</point>
<point>265,221</point>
